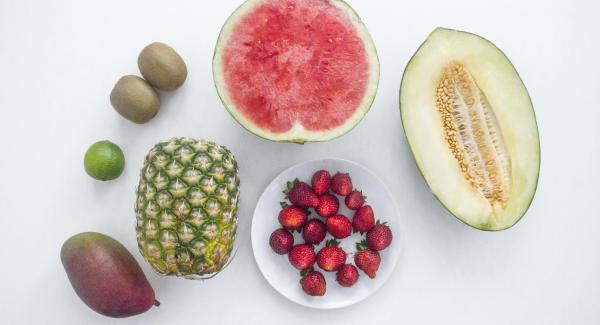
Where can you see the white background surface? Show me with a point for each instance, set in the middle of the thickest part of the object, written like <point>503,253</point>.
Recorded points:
<point>60,59</point>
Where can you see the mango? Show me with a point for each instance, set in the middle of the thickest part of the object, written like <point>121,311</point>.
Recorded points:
<point>106,276</point>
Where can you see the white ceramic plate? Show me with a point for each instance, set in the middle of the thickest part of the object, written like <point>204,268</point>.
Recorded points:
<point>283,276</point>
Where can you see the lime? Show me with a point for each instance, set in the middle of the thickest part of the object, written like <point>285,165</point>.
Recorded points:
<point>104,161</point>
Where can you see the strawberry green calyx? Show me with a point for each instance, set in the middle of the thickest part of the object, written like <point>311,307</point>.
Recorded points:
<point>362,245</point>
<point>304,273</point>
<point>289,185</point>
<point>332,242</point>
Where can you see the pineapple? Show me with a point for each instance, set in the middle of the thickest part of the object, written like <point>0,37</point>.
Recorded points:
<point>186,209</point>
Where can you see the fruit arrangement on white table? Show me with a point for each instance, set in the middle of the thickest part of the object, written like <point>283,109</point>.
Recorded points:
<point>308,71</point>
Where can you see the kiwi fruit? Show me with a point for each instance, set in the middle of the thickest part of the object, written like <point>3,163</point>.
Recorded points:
<point>135,99</point>
<point>162,66</point>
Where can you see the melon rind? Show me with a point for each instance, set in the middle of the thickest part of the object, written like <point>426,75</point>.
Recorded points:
<point>498,78</point>
<point>297,134</point>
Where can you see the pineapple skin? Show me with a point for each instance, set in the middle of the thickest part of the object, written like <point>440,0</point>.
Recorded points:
<point>186,207</point>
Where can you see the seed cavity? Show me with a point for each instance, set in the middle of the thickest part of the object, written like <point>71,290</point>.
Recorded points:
<point>473,134</point>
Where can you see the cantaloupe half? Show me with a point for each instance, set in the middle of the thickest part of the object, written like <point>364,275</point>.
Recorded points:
<point>471,127</point>
<point>296,70</point>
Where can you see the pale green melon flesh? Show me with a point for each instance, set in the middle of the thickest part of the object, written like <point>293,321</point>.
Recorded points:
<point>514,127</point>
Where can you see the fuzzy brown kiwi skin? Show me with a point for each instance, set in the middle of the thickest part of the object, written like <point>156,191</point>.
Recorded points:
<point>162,66</point>
<point>135,99</point>
<point>301,141</point>
<point>480,227</point>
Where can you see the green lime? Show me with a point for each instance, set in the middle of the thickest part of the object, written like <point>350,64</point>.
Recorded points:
<point>104,161</point>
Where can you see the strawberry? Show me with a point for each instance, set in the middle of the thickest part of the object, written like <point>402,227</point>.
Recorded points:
<point>328,205</point>
<point>321,180</point>
<point>364,219</point>
<point>379,237</point>
<point>292,217</point>
<point>354,200</point>
<point>314,231</point>
<point>302,256</point>
<point>281,241</point>
<point>341,184</point>
<point>301,195</point>
<point>339,226</point>
<point>347,275</point>
<point>367,260</point>
<point>330,258</point>
<point>313,283</point>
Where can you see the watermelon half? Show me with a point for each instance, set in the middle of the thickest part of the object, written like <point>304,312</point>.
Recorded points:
<point>296,70</point>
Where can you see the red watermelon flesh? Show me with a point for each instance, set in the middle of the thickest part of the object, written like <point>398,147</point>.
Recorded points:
<point>296,62</point>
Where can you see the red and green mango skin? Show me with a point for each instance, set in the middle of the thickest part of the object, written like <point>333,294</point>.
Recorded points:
<point>106,276</point>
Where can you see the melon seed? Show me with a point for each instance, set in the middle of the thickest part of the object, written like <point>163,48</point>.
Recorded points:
<point>472,133</point>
